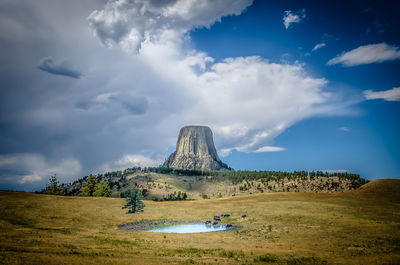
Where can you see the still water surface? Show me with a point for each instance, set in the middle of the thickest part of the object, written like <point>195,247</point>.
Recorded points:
<point>188,228</point>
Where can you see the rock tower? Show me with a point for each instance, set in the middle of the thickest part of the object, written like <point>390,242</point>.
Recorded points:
<point>195,150</point>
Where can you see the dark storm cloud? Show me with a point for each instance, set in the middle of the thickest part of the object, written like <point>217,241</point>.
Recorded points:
<point>47,64</point>
<point>160,3</point>
<point>42,132</point>
<point>115,102</point>
<point>136,106</point>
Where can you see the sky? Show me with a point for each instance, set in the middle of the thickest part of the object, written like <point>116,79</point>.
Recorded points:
<point>92,86</point>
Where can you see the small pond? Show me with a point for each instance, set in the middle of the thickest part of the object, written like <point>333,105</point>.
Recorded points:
<point>189,228</point>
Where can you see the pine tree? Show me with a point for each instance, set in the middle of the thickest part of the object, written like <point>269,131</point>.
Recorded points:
<point>134,201</point>
<point>52,187</point>
<point>89,187</point>
<point>102,189</point>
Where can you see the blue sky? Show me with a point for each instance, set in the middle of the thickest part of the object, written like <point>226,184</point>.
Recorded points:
<point>365,141</point>
<point>284,85</point>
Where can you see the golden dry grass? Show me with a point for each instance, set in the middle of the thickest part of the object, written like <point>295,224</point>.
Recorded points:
<point>386,187</point>
<point>281,228</point>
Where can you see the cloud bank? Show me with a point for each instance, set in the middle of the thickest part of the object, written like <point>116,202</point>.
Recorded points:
<point>293,17</point>
<point>388,95</point>
<point>247,101</point>
<point>64,68</point>
<point>35,167</point>
<point>143,82</point>
<point>129,161</point>
<point>130,23</point>
<point>367,54</point>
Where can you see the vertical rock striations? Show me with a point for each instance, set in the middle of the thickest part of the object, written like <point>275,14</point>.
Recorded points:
<point>195,150</point>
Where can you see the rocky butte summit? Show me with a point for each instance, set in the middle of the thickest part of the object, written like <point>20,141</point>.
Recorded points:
<point>195,150</point>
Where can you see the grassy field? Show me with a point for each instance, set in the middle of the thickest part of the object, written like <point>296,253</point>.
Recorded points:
<point>358,227</point>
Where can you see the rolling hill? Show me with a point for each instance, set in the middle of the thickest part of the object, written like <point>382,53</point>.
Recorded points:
<point>164,183</point>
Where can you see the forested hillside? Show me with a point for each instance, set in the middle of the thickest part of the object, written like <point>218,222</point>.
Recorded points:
<point>159,183</point>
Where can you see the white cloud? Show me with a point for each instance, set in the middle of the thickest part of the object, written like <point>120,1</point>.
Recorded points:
<point>367,54</point>
<point>247,101</point>
<point>344,129</point>
<point>293,17</point>
<point>131,23</point>
<point>331,171</point>
<point>388,95</point>
<point>129,160</point>
<point>35,168</point>
<point>318,46</point>
<point>30,178</point>
<point>270,149</point>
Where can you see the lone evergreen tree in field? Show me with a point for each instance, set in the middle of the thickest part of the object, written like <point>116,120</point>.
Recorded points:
<point>89,187</point>
<point>52,187</point>
<point>134,201</point>
<point>102,189</point>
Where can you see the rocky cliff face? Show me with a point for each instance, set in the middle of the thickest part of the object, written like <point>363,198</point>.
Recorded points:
<point>195,150</point>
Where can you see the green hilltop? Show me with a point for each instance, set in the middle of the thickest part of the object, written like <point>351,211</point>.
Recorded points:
<point>161,183</point>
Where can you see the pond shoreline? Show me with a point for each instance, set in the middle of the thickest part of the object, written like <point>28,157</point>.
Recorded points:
<point>152,224</point>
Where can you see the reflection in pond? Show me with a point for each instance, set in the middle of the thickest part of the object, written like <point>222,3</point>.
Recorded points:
<point>189,228</point>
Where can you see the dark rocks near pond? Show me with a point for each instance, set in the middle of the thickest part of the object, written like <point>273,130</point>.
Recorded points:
<point>217,218</point>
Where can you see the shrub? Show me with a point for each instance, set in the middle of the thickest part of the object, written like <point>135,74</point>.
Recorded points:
<point>267,258</point>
